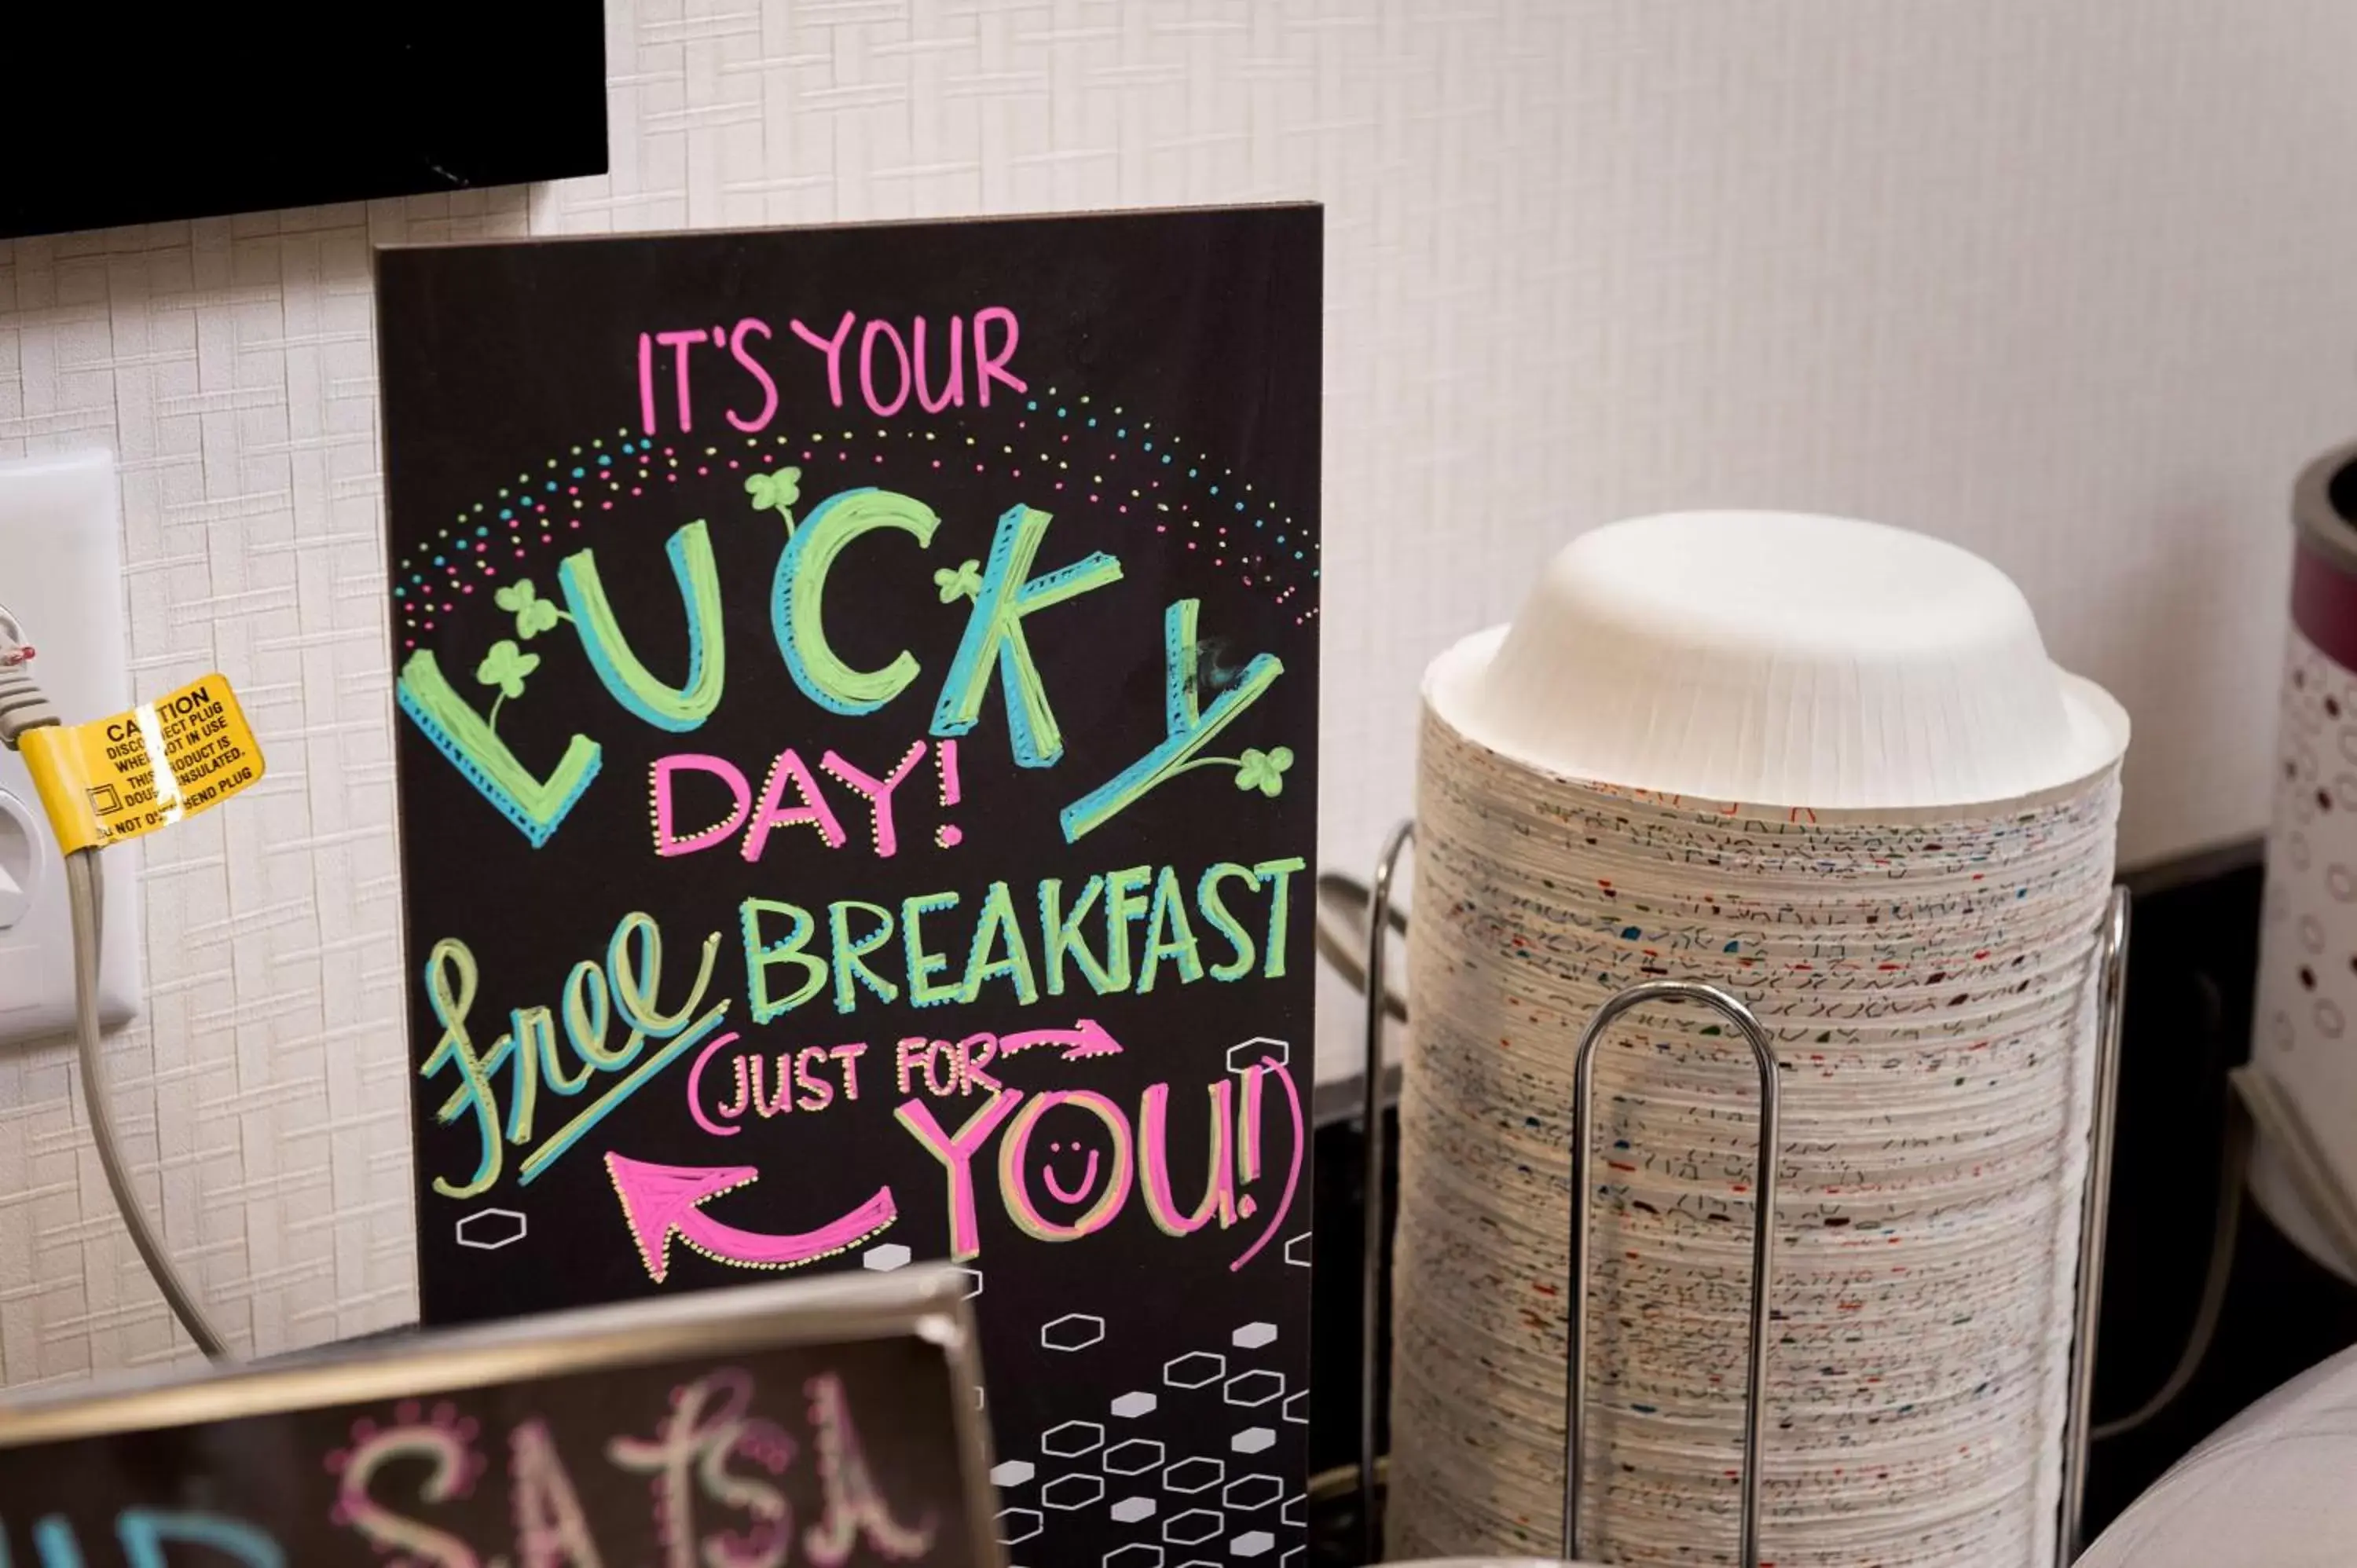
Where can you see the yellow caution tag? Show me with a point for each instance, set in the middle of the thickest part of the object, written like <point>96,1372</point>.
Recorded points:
<point>116,779</point>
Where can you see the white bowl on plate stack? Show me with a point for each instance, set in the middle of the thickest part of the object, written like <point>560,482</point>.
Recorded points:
<point>1827,767</point>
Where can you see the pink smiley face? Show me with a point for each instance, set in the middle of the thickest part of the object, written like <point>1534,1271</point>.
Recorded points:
<point>1073,1178</point>
<point>1060,1153</point>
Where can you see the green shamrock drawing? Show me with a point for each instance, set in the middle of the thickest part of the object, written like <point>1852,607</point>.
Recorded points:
<point>963,583</point>
<point>1255,769</point>
<point>505,666</point>
<point>533,615</point>
<point>776,493</point>
<point>1263,770</point>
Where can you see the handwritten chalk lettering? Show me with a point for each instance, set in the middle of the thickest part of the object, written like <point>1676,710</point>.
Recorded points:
<point>641,693</point>
<point>719,1482</point>
<point>944,1069</point>
<point>959,1067</point>
<point>148,1535</point>
<point>995,641</point>
<point>994,647</point>
<point>885,363</point>
<point>790,796</point>
<point>856,1512</point>
<point>723,1091</point>
<point>443,1444</point>
<point>628,983</point>
<point>1189,727</point>
<point>1071,1178</point>
<point>710,1425</point>
<point>552,1527</point>
<point>1091,1203</point>
<point>713,1473</point>
<point>730,1082</point>
<point>798,593</point>
<point>1118,931</point>
<point>536,803</point>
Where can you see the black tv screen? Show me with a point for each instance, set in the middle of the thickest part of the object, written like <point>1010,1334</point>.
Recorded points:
<point>153,114</point>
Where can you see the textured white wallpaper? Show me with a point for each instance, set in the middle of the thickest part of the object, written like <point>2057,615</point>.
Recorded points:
<point>2076,286</point>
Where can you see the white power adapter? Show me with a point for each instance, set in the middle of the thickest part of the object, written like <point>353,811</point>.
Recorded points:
<point>61,573</point>
<point>59,546</point>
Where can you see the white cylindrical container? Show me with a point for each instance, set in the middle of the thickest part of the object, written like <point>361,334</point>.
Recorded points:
<point>2305,1034</point>
<point>1827,767</point>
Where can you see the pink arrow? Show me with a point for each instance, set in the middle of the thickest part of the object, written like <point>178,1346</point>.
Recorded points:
<point>1087,1037</point>
<point>661,1200</point>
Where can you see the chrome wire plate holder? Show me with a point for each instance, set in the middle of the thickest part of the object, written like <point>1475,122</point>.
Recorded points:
<point>2111,978</point>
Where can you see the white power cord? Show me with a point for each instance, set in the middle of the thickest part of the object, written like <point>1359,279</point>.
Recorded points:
<point>2233,1164</point>
<point>2259,1108</point>
<point>22,708</point>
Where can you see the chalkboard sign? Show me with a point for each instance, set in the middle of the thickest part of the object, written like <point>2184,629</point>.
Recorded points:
<point>857,773</point>
<point>824,1422</point>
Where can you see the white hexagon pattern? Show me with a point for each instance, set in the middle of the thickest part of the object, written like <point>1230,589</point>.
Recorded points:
<point>1241,1523</point>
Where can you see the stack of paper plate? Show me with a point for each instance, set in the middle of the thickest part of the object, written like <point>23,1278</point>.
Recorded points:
<point>1911,913</point>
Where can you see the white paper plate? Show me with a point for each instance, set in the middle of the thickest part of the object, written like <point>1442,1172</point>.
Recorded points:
<point>1781,658</point>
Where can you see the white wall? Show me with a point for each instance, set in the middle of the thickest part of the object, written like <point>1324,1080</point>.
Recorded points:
<point>2074,285</point>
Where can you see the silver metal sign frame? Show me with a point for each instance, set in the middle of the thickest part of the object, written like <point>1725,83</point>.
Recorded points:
<point>921,1303</point>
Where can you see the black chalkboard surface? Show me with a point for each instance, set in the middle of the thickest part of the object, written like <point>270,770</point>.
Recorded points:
<point>858,775</point>
<point>823,1423</point>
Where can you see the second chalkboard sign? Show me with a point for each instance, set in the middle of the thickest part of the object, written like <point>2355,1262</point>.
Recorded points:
<point>858,775</point>
<point>829,1422</point>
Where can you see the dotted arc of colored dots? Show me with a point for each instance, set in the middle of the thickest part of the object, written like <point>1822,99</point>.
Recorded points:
<point>540,507</point>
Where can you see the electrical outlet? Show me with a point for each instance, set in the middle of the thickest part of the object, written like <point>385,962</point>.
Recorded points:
<point>61,577</point>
